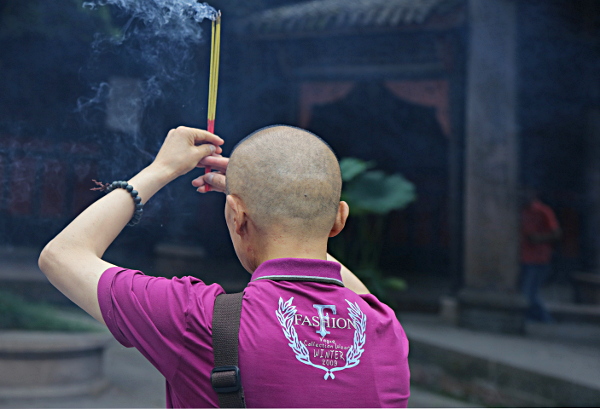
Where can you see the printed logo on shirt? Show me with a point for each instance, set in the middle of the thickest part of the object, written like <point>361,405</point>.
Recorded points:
<point>323,352</point>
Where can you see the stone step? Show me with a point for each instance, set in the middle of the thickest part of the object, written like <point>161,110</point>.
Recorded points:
<point>586,313</point>
<point>504,370</point>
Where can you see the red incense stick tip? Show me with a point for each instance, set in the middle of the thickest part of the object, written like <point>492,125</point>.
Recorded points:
<point>207,170</point>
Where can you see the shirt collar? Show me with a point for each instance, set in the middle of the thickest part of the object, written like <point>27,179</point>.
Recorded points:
<point>299,269</point>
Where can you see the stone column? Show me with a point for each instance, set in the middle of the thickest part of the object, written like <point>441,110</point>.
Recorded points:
<point>592,195</point>
<point>490,300</point>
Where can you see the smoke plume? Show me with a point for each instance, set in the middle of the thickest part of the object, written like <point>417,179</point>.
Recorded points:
<point>160,36</point>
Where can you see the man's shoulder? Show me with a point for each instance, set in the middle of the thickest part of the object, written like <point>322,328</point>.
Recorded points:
<point>122,283</point>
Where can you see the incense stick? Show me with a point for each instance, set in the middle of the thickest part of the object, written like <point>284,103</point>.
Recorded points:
<point>210,75</point>
<point>213,82</point>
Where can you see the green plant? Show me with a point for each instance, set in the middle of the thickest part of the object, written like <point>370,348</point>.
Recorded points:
<point>18,314</point>
<point>371,195</point>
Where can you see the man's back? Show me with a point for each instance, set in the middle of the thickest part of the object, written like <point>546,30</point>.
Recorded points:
<point>315,344</point>
<point>307,343</point>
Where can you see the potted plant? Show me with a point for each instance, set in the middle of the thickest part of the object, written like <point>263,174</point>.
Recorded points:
<point>371,195</point>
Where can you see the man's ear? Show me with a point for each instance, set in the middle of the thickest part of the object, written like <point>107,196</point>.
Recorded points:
<point>340,219</point>
<point>238,213</point>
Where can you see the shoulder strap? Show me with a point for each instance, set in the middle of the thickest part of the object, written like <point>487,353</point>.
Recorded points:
<point>225,376</point>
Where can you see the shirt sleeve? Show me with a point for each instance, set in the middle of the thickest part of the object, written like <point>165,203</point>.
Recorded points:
<point>150,313</point>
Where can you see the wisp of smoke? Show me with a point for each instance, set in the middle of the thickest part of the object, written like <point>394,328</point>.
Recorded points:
<point>158,36</point>
<point>176,20</point>
<point>102,90</point>
<point>159,39</point>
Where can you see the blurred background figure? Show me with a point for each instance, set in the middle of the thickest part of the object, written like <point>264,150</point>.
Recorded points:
<point>539,231</point>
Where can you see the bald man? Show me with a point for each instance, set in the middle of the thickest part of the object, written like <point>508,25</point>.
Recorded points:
<point>310,333</point>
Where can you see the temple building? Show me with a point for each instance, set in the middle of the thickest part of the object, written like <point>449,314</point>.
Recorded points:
<point>470,100</point>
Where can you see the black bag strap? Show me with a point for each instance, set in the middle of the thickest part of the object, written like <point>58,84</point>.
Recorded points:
<point>225,376</point>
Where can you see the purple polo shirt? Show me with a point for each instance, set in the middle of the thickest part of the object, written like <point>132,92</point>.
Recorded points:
<point>302,343</point>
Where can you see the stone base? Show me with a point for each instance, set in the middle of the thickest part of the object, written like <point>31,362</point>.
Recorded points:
<point>493,311</point>
<point>51,364</point>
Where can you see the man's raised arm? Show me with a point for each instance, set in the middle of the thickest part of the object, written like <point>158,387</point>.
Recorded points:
<point>72,261</point>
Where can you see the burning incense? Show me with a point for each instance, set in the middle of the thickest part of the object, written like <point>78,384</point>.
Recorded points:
<point>214,71</point>
<point>213,82</point>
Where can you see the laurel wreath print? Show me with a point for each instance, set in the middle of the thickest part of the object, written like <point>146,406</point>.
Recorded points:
<point>285,314</point>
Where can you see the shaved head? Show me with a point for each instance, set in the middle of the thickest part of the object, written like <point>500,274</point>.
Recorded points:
<point>287,177</point>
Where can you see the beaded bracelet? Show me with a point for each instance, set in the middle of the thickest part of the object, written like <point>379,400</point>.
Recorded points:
<point>139,207</point>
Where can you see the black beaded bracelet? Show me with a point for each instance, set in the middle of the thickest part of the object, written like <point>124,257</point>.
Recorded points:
<point>139,206</point>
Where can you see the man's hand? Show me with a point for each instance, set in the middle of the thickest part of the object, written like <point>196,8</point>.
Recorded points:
<point>216,180</point>
<point>184,148</point>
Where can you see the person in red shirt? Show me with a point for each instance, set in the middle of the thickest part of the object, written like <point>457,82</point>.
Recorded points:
<point>539,231</point>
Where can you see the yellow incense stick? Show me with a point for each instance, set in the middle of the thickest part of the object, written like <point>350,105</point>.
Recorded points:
<point>213,81</point>
<point>217,60</point>
<point>214,71</point>
<point>211,73</point>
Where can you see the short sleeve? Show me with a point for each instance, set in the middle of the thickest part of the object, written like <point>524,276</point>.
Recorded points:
<point>150,313</point>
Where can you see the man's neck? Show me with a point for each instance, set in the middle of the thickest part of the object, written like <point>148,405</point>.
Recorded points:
<point>280,246</point>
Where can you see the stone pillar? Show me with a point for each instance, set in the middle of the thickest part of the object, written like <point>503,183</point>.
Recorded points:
<point>489,299</point>
<point>592,195</point>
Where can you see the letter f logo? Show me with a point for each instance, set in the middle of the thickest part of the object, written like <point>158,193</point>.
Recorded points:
<point>322,317</point>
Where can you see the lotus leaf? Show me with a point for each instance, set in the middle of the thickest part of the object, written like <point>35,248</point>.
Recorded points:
<point>352,167</point>
<point>375,192</point>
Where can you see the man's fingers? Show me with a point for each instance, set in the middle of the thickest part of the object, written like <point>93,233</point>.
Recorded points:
<point>217,149</point>
<point>216,181</point>
<point>198,182</point>
<point>216,162</point>
<point>200,136</point>
<point>184,147</point>
<point>207,149</point>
